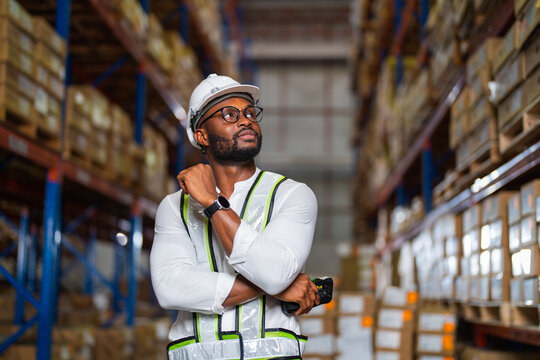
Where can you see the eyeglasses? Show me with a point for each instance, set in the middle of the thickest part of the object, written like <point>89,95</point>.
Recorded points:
<point>231,114</point>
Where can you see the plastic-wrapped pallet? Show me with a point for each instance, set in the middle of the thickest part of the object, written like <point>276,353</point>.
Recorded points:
<point>355,326</point>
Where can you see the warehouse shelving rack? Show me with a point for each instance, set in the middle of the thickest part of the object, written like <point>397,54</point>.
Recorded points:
<point>58,169</point>
<point>419,152</point>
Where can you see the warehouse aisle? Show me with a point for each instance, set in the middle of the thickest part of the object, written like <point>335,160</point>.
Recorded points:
<point>416,123</point>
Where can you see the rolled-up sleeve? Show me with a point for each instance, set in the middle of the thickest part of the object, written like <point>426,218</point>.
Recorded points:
<point>177,282</point>
<point>272,259</point>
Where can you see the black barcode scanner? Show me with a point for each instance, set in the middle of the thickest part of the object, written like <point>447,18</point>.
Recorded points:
<point>325,286</point>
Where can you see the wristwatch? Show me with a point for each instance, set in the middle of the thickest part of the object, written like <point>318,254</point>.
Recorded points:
<point>221,203</point>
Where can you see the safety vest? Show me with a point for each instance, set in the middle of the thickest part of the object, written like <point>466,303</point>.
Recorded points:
<point>250,339</point>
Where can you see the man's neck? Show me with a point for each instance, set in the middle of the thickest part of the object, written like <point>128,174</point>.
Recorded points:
<point>229,174</point>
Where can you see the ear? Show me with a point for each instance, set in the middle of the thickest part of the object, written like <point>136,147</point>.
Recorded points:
<point>201,137</point>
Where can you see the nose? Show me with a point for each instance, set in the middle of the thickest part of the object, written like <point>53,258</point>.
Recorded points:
<point>243,120</point>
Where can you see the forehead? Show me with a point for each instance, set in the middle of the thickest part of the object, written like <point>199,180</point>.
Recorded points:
<point>238,102</point>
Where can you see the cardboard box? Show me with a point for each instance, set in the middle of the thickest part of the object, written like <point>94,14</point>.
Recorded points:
<point>356,303</point>
<point>459,128</point>
<point>519,6</point>
<point>12,10</point>
<point>532,88</point>
<point>474,289</point>
<point>460,104</point>
<point>16,80</point>
<point>16,103</point>
<point>463,288</point>
<point>531,53</point>
<point>514,209</point>
<point>46,34</point>
<point>392,318</point>
<point>392,355</point>
<point>437,321</point>
<point>529,193</point>
<point>482,58</point>
<point>452,246</point>
<point>53,62</point>
<point>511,106</point>
<point>397,297</point>
<point>11,32</point>
<point>321,345</point>
<point>528,230</point>
<point>485,262</point>
<point>500,287</point>
<point>465,266</point>
<point>516,291</point>
<point>495,206</point>
<point>526,262</point>
<point>500,261</point>
<point>394,340</point>
<point>531,18</point>
<point>479,113</point>
<point>514,237</point>
<point>16,58</point>
<point>470,242</point>
<point>443,344</point>
<point>508,78</point>
<point>472,217</point>
<point>507,47</point>
<point>531,290</point>
<point>474,264</point>
<point>478,89</point>
<point>318,325</point>
<point>484,288</point>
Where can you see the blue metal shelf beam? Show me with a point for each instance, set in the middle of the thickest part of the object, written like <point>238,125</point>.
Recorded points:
<point>22,265</point>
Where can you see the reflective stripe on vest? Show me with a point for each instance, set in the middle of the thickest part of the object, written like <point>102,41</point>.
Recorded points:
<point>250,317</point>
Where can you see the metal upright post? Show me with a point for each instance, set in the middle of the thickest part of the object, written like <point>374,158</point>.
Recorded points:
<point>140,96</point>
<point>32,259</point>
<point>91,257</point>
<point>22,258</point>
<point>427,176</point>
<point>401,195</point>
<point>134,253</point>
<point>424,13</point>
<point>117,276</point>
<point>51,241</point>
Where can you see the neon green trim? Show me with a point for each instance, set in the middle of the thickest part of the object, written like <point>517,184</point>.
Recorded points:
<point>198,327</point>
<point>240,318</point>
<point>182,344</point>
<point>185,209</point>
<point>280,334</point>
<point>268,201</point>
<point>207,241</point>
<point>230,337</point>
<point>303,340</point>
<point>217,328</point>
<point>261,317</point>
<point>251,195</point>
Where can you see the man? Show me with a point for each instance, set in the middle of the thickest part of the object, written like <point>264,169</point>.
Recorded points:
<point>231,245</point>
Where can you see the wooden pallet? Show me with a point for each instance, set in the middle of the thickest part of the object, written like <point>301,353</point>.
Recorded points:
<point>489,312</point>
<point>522,130</point>
<point>480,163</point>
<point>525,315</point>
<point>17,123</point>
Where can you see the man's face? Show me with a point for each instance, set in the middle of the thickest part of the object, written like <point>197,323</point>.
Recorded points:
<point>232,142</point>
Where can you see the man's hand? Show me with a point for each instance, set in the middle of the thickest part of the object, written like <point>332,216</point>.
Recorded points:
<point>198,181</point>
<point>303,292</point>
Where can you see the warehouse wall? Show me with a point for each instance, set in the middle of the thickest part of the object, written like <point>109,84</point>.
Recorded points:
<point>306,136</point>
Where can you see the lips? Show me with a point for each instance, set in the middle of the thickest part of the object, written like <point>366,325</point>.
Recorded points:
<point>247,134</point>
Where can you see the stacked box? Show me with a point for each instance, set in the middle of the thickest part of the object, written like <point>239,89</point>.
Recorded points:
<point>470,262</point>
<point>355,316</point>
<point>49,74</point>
<point>88,124</point>
<point>114,343</point>
<point>121,144</point>
<point>459,119</point>
<point>320,326</point>
<point>531,55</point>
<point>450,233</point>
<point>395,324</point>
<point>525,253</point>
<point>73,342</point>
<point>78,309</point>
<point>482,117</point>
<point>495,266</point>
<point>155,163</point>
<point>17,51</point>
<point>436,333</point>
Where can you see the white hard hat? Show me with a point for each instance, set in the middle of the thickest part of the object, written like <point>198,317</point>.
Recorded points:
<point>212,88</point>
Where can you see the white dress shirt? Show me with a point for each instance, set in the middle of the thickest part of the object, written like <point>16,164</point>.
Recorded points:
<point>271,259</point>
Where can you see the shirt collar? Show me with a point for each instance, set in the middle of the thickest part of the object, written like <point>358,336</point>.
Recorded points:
<point>244,184</point>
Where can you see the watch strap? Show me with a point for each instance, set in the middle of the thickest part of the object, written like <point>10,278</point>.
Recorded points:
<point>209,211</point>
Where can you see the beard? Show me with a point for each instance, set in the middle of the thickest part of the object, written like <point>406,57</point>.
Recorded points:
<point>227,150</point>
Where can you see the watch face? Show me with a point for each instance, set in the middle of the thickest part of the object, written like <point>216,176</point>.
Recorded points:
<point>223,201</point>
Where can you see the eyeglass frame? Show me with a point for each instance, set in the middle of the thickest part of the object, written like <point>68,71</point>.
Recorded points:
<point>237,117</point>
